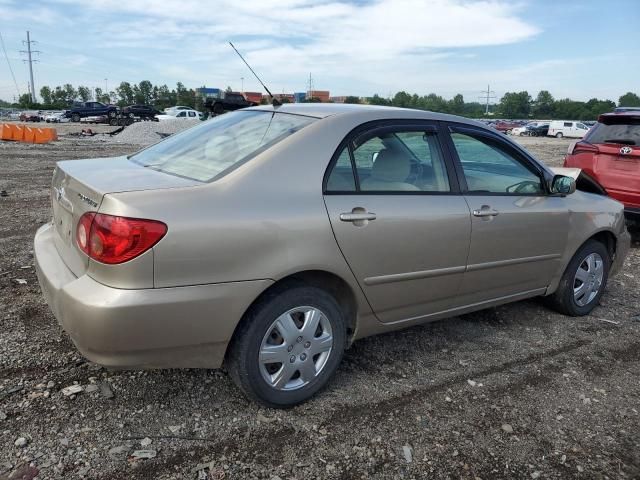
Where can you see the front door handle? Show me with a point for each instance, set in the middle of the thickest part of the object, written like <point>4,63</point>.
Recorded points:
<point>357,217</point>
<point>485,211</point>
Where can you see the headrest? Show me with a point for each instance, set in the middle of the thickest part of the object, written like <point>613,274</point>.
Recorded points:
<point>391,166</point>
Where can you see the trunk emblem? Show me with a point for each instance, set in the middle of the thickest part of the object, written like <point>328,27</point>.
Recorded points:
<point>86,199</point>
<point>626,150</point>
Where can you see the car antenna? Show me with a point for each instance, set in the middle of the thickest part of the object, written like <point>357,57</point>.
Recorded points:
<point>274,101</point>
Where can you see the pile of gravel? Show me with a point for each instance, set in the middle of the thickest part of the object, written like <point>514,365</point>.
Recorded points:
<point>146,133</point>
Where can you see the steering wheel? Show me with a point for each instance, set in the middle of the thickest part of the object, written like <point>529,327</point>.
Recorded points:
<point>526,186</point>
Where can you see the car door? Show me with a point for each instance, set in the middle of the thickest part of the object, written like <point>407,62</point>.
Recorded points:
<point>399,219</point>
<point>519,231</point>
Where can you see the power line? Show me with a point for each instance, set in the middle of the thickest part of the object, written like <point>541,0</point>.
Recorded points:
<point>9,64</point>
<point>487,95</point>
<point>30,61</point>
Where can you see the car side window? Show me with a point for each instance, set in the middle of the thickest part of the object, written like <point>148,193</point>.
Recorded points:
<point>568,124</point>
<point>490,167</point>
<point>341,178</point>
<point>401,161</point>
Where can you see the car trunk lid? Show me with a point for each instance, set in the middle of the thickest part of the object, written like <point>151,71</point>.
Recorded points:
<point>80,185</point>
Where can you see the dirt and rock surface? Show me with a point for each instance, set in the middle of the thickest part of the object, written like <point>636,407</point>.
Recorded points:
<point>511,392</point>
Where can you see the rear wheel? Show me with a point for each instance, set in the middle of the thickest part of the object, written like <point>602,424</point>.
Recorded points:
<point>112,114</point>
<point>583,282</point>
<point>75,117</point>
<point>113,122</point>
<point>559,135</point>
<point>289,345</point>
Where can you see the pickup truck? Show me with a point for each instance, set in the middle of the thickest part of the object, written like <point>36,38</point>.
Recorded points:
<point>227,102</point>
<point>91,109</point>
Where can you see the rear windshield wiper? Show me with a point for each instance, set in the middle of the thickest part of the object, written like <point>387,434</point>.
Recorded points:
<point>622,141</point>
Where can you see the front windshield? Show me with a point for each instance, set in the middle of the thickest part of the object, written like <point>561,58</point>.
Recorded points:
<point>209,150</point>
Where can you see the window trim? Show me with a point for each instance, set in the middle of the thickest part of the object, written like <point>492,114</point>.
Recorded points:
<point>368,130</point>
<point>518,154</point>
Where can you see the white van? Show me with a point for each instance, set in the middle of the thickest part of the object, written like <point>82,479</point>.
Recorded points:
<point>567,128</point>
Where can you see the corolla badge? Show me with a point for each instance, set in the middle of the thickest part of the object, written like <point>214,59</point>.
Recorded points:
<point>626,150</point>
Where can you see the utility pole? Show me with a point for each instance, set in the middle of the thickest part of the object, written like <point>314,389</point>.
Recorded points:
<point>310,86</point>
<point>30,61</point>
<point>487,95</point>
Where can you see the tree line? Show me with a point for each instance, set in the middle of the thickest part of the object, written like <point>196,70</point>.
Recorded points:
<point>511,105</point>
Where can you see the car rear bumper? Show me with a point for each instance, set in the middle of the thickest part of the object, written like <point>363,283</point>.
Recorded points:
<point>181,327</point>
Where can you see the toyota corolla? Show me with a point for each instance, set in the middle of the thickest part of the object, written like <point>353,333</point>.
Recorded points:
<point>269,239</point>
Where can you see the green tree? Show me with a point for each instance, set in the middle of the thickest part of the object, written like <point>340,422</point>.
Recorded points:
<point>515,105</point>
<point>45,93</point>
<point>595,107</point>
<point>457,104</point>
<point>70,93</point>
<point>351,99</point>
<point>435,103</point>
<point>543,105</point>
<point>401,99</point>
<point>629,99</point>
<point>125,94</point>
<point>84,93</point>
<point>378,100</point>
<point>25,101</point>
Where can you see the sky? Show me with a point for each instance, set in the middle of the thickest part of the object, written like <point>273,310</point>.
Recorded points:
<point>574,48</point>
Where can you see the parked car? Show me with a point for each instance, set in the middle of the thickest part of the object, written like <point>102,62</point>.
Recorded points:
<point>567,128</point>
<point>181,114</point>
<point>30,116</point>
<point>92,109</point>
<point>610,153</point>
<point>529,129</point>
<point>271,238</point>
<point>142,111</point>
<point>56,117</point>
<point>540,130</point>
<point>228,101</point>
<point>505,127</point>
<point>171,110</point>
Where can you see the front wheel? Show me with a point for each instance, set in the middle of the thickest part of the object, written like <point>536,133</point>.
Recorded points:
<point>112,114</point>
<point>75,117</point>
<point>583,282</point>
<point>559,135</point>
<point>288,346</point>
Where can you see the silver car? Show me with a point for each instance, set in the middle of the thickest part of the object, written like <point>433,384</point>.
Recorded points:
<point>271,238</point>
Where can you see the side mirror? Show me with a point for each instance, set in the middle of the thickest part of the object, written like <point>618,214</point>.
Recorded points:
<point>563,185</point>
<point>374,156</point>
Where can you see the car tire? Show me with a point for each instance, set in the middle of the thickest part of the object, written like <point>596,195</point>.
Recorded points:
<point>559,135</point>
<point>303,371</point>
<point>580,272</point>
<point>218,109</point>
<point>113,122</point>
<point>112,114</point>
<point>75,117</point>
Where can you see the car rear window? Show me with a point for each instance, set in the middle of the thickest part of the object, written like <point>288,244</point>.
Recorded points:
<point>622,131</point>
<point>210,150</point>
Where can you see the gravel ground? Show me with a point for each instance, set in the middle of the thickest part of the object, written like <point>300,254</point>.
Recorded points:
<point>511,392</point>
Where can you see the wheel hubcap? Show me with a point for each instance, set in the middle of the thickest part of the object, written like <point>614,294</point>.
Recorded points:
<point>588,279</point>
<point>295,348</point>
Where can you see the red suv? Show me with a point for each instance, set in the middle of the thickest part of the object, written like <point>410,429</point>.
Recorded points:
<point>610,154</point>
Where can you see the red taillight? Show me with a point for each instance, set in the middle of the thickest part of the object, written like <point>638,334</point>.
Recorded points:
<point>111,239</point>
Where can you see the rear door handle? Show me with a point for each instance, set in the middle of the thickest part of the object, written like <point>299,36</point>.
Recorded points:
<point>485,211</point>
<point>357,217</point>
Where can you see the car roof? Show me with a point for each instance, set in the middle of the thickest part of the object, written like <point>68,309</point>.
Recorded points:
<point>375,112</point>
